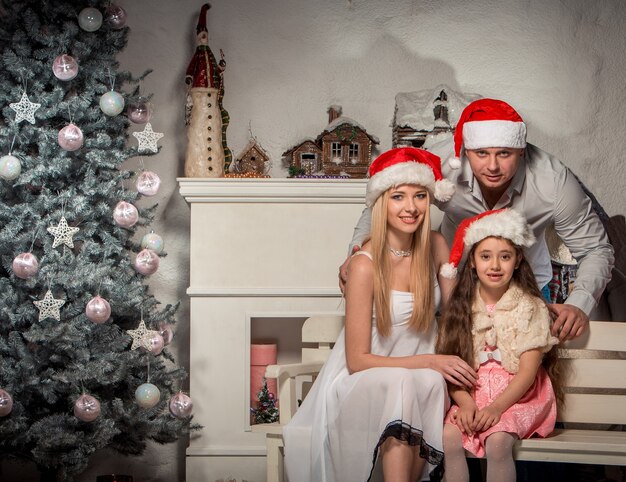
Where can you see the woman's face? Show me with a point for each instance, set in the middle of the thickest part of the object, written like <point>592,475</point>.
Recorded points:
<point>406,207</point>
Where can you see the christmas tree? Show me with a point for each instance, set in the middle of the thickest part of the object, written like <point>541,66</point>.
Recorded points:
<point>265,411</point>
<point>82,358</point>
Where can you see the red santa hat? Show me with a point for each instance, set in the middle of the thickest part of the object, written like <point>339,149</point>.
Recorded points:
<point>202,19</point>
<point>407,165</point>
<point>487,123</point>
<point>503,223</point>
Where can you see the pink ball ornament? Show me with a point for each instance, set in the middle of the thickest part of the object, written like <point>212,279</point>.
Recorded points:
<point>147,262</point>
<point>125,214</point>
<point>148,183</point>
<point>181,405</point>
<point>90,19</point>
<point>111,103</point>
<point>166,331</point>
<point>139,112</point>
<point>153,342</point>
<point>10,167</point>
<point>147,395</point>
<point>115,16</point>
<point>25,265</point>
<point>6,403</point>
<point>71,137</point>
<point>86,408</point>
<point>98,310</point>
<point>65,67</point>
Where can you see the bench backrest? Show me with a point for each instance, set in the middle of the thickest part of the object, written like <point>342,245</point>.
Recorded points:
<point>595,364</point>
<point>596,375</point>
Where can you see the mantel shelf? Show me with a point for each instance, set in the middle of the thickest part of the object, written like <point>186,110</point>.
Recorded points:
<point>273,190</point>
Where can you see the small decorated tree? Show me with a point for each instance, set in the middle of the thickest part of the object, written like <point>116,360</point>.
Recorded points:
<point>265,411</point>
<point>82,359</point>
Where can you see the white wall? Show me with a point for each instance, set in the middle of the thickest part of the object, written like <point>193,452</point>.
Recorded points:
<point>561,64</point>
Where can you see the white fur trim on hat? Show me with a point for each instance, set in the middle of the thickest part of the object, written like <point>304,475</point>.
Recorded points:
<point>409,172</point>
<point>507,224</point>
<point>454,162</point>
<point>444,190</point>
<point>494,133</point>
<point>448,270</point>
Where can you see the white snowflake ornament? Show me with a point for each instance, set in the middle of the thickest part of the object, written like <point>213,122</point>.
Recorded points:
<point>24,109</point>
<point>148,139</point>
<point>49,307</point>
<point>63,234</point>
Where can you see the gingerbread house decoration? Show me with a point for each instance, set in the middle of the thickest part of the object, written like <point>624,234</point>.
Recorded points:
<point>252,159</point>
<point>343,149</point>
<point>427,116</point>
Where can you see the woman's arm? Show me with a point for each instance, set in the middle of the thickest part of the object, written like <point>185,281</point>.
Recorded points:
<point>359,309</point>
<point>529,363</point>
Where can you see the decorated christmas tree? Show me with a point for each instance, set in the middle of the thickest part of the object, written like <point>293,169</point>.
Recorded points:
<point>266,410</point>
<point>83,361</point>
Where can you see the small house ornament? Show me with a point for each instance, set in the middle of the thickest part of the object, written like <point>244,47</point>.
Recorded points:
<point>207,152</point>
<point>343,149</point>
<point>252,161</point>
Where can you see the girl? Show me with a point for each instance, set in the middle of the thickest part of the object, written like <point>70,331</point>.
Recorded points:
<point>498,322</point>
<point>381,396</point>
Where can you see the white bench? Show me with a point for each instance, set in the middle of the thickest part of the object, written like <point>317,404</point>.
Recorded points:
<point>595,397</point>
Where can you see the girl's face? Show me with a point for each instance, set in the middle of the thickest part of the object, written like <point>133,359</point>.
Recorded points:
<point>406,207</point>
<point>495,260</point>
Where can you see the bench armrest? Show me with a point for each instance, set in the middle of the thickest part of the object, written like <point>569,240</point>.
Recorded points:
<point>293,370</point>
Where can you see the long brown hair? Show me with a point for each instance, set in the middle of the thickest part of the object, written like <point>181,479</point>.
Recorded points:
<point>455,326</point>
<point>421,271</point>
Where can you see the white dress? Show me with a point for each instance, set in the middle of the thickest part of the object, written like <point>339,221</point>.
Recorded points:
<point>335,434</point>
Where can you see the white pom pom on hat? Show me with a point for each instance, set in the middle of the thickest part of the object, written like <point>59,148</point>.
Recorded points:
<point>487,123</point>
<point>503,223</point>
<point>407,165</point>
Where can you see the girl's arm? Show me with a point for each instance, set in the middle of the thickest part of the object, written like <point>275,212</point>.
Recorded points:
<point>441,255</point>
<point>466,414</point>
<point>529,363</point>
<point>359,308</point>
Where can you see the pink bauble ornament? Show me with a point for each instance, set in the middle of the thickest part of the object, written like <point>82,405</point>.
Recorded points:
<point>25,265</point>
<point>153,241</point>
<point>153,342</point>
<point>147,262</point>
<point>65,67</point>
<point>86,408</point>
<point>139,112</point>
<point>181,405</point>
<point>125,214</point>
<point>71,137</point>
<point>6,403</point>
<point>115,16</point>
<point>147,395</point>
<point>98,310</point>
<point>148,183</point>
<point>166,331</point>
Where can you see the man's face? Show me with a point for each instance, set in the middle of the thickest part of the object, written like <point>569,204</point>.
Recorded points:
<point>494,167</point>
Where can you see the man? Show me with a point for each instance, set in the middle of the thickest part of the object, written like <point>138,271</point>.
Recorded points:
<point>495,168</point>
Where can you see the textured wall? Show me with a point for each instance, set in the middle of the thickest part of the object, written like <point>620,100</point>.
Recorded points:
<point>561,64</point>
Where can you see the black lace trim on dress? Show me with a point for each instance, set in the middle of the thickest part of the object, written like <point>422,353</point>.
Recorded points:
<point>412,436</point>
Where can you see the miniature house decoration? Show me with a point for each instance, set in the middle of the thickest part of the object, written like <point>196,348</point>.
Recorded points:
<point>427,116</point>
<point>343,149</point>
<point>252,161</point>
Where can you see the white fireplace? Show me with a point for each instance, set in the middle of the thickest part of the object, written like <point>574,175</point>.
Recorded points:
<point>264,256</point>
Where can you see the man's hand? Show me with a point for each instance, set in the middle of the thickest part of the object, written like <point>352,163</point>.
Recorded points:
<point>570,321</point>
<point>343,269</point>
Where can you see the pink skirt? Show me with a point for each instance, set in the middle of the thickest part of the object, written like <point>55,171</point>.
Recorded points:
<point>533,415</point>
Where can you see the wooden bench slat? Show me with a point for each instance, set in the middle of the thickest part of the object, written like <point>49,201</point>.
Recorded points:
<point>603,335</point>
<point>588,408</point>
<point>596,373</point>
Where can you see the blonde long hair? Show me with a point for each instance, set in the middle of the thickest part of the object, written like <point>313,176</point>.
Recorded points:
<point>421,271</point>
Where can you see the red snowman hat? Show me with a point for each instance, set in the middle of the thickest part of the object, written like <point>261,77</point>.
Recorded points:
<point>503,223</point>
<point>202,19</point>
<point>487,123</point>
<point>407,165</point>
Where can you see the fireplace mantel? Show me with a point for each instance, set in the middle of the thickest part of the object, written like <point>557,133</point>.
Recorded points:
<point>260,249</point>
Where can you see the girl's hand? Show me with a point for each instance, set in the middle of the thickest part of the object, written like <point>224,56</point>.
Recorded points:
<point>455,370</point>
<point>486,418</point>
<point>464,419</point>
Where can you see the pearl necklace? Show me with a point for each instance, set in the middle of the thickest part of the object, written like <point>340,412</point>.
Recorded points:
<point>400,253</point>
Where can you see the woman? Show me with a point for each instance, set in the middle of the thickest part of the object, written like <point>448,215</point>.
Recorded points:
<point>377,407</point>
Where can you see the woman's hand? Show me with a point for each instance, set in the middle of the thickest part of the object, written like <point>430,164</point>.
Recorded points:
<point>455,370</point>
<point>465,419</point>
<point>486,418</point>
